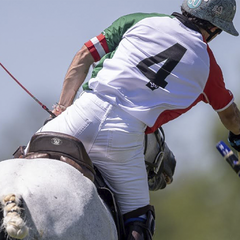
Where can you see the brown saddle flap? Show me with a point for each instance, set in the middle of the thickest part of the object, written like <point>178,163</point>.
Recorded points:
<point>60,146</point>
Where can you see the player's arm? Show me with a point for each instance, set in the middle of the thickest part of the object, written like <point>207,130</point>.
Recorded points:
<point>74,78</point>
<point>230,118</point>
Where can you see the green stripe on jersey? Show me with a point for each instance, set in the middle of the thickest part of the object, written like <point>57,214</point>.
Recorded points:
<point>114,34</point>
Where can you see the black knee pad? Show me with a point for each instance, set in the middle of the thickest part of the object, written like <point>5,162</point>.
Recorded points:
<point>138,228</point>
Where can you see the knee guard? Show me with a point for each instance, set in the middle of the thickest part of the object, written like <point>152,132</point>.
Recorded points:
<point>138,228</point>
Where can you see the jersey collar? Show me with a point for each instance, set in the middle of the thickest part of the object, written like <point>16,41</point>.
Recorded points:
<point>186,22</point>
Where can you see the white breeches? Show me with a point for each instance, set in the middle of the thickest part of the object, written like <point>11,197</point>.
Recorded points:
<point>114,141</point>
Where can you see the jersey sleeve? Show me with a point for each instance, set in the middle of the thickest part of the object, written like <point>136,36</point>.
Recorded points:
<point>109,39</point>
<point>215,91</point>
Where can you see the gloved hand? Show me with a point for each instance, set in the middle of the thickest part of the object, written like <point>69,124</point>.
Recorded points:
<point>234,140</point>
<point>57,110</point>
<point>165,174</point>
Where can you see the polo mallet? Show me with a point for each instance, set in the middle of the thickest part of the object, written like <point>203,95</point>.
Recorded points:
<point>229,156</point>
<point>42,105</point>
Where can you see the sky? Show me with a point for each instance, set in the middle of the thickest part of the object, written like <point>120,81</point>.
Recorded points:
<point>38,40</point>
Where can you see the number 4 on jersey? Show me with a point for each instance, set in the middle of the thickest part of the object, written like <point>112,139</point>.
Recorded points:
<point>172,56</point>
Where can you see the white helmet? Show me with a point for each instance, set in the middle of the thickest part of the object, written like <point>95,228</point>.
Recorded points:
<point>218,12</point>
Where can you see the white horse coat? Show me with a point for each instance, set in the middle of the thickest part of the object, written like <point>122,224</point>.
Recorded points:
<point>59,203</point>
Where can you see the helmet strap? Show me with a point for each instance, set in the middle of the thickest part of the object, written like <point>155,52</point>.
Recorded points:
<point>212,34</point>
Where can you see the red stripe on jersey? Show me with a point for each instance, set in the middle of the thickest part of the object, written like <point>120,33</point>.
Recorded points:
<point>169,115</point>
<point>217,95</point>
<point>93,50</point>
<point>103,42</point>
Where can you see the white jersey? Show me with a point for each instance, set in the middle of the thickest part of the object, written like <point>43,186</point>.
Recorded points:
<point>156,68</point>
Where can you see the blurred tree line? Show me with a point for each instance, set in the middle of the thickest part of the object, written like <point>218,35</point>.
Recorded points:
<point>200,205</point>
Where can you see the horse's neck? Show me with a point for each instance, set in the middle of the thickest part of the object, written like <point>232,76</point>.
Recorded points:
<point>54,192</point>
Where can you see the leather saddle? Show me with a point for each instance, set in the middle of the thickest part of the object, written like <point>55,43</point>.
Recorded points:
<point>71,150</point>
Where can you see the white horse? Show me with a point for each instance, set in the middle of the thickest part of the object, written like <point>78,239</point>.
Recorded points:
<point>45,199</point>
